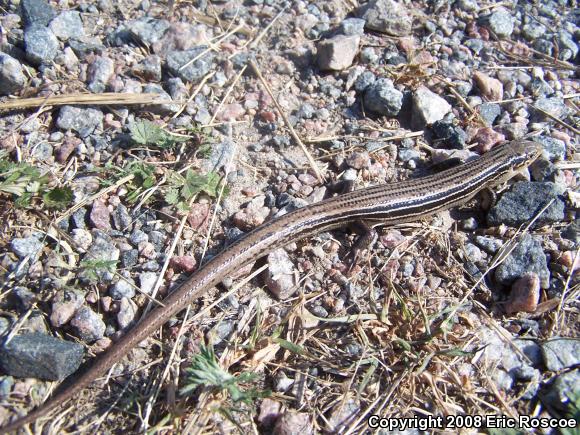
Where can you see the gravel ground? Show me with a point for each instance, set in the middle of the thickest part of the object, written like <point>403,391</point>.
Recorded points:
<point>138,139</point>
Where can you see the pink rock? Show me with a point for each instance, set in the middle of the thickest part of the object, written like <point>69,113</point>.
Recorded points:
<point>68,145</point>
<point>100,216</point>
<point>337,53</point>
<point>147,250</point>
<point>308,180</point>
<point>490,88</point>
<point>198,214</point>
<point>231,112</point>
<point>268,116</point>
<point>393,239</point>
<point>64,305</point>
<point>358,160</point>
<point>252,215</point>
<point>525,294</point>
<point>486,138</point>
<point>183,263</point>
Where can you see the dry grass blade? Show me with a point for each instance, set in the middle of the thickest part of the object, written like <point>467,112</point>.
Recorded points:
<point>107,98</point>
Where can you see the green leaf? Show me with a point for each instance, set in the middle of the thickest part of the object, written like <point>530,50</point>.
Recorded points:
<point>147,133</point>
<point>196,183</point>
<point>455,352</point>
<point>172,196</point>
<point>59,197</point>
<point>24,200</point>
<point>288,345</point>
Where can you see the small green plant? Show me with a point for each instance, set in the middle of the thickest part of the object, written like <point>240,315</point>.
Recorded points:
<point>143,178</point>
<point>19,178</point>
<point>59,197</point>
<point>182,189</point>
<point>93,268</point>
<point>25,182</point>
<point>206,371</point>
<point>146,132</point>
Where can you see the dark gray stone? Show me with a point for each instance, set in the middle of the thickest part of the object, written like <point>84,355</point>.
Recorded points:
<point>89,325</point>
<point>36,12</point>
<point>122,219</point>
<point>100,72</point>
<point>43,152</point>
<point>387,16</point>
<point>103,249</point>
<point>41,44</point>
<point>147,30</point>
<point>40,356</point>
<point>475,45</point>
<point>6,383</point>
<point>82,120</point>
<point>305,111</point>
<point>572,231</point>
<point>489,112</point>
<point>563,389</point>
<point>525,200</point>
<point>568,48</point>
<point>533,30</point>
<point>85,46</point>
<point>382,98</point>
<point>195,71</point>
<point>450,135</point>
<point>527,256</point>
<point>363,81</point>
<point>161,109</point>
<point>122,289</point>
<point>12,78</point>
<point>500,22</point>
<point>543,170</point>
<point>149,68</point>
<point>129,258</point>
<point>24,296</point>
<point>31,245</point>
<point>553,105</point>
<point>79,218</point>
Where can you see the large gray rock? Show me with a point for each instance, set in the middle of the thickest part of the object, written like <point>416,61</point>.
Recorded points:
<point>527,256</point>
<point>36,12</point>
<point>41,44</point>
<point>68,24</point>
<point>387,16</point>
<point>12,78</point>
<point>82,120</point>
<point>560,353</point>
<point>40,356</point>
<point>147,30</point>
<point>525,200</point>
<point>194,71</point>
<point>381,97</point>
